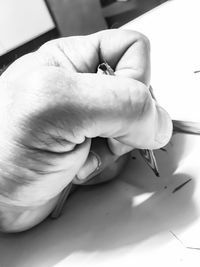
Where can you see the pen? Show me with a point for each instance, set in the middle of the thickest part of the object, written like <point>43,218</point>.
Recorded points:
<point>147,155</point>
<point>187,127</point>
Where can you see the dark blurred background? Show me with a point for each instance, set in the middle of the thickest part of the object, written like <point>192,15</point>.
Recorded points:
<point>76,17</point>
<point>26,25</point>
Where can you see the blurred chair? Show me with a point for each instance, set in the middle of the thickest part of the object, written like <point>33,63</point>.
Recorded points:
<point>77,17</point>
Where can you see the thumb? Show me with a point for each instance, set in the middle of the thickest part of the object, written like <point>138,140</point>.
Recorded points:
<point>92,105</point>
<point>123,109</point>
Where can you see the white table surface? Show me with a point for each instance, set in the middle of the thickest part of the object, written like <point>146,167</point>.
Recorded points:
<point>173,30</point>
<point>135,220</point>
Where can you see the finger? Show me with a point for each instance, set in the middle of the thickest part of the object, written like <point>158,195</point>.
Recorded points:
<point>90,167</point>
<point>100,157</point>
<point>127,52</point>
<point>91,105</point>
<point>111,171</point>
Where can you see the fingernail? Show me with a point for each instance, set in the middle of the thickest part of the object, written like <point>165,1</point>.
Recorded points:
<point>164,128</point>
<point>92,165</point>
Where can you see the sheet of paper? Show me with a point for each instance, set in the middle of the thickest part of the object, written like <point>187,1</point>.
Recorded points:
<point>175,54</point>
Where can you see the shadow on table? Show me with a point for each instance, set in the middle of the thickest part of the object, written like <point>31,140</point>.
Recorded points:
<point>108,217</point>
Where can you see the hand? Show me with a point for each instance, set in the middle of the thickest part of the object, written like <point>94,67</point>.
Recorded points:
<point>53,105</point>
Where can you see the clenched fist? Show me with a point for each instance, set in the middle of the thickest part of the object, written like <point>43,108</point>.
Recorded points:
<point>55,111</point>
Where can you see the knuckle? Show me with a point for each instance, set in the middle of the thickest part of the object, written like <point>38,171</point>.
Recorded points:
<point>141,102</point>
<point>48,45</point>
<point>139,37</point>
<point>144,104</point>
<point>145,41</point>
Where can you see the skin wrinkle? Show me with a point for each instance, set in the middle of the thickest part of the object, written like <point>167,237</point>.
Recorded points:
<point>140,71</point>
<point>146,106</point>
<point>97,56</point>
<point>87,67</point>
<point>48,141</point>
<point>15,172</point>
<point>48,152</point>
<point>142,110</point>
<point>9,182</point>
<point>24,162</point>
<point>41,155</point>
<point>67,57</point>
<point>42,172</point>
<point>125,51</point>
<point>37,125</point>
<point>58,140</point>
<point>102,57</point>
<point>57,137</point>
<point>38,139</point>
<point>49,59</point>
<point>92,68</point>
<point>38,155</point>
<point>53,138</point>
<point>71,120</point>
<point>45,159</point>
